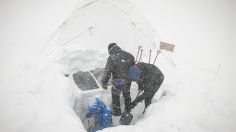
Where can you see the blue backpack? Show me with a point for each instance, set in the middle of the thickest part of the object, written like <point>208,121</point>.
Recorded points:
<point>134,73</point>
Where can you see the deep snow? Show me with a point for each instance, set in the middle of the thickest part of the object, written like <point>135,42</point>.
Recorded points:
<point>34,102</point>
<point>195,96</point>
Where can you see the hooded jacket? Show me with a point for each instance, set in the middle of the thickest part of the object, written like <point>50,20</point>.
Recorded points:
<point>150,80</point>
<point>117,65</point>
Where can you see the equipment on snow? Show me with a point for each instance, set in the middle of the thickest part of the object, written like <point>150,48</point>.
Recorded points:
<point>139,47</point>
<point>150,54</point>
<point>140,57</point>
<point>126,118</point>
<point>158,52</point>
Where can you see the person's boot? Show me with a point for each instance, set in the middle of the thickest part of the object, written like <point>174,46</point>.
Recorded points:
<point>116,111</point>
<point>126,118</point>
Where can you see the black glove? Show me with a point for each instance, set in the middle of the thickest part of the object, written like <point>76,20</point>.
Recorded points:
<point>104,87</point>
<point>88,115</point>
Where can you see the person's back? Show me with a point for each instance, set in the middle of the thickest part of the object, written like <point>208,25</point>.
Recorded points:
<point>149,79</point>
<point>117,66</point>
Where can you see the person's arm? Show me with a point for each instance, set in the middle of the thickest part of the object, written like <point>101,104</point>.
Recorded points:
<point>107,72</point>
<point>148,92</point>
<point>140,87</point>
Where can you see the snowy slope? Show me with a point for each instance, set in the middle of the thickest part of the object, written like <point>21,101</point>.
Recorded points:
<point>195,96</point>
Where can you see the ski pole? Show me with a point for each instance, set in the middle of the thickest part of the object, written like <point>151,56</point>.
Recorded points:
<point>140,55</point>
<point>158,52</point>
<point>150,54</point>
<point>139,47</point>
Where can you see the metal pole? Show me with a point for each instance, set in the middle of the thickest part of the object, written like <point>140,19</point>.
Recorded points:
<point>150,54</point>
<point>139,47</point>
<point>158,52</point>
<point>140,55</point>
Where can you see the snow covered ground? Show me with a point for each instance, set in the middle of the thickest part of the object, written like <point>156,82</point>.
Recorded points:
<point>197,94</point>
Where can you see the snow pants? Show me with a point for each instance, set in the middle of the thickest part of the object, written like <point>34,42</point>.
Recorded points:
<point>116,92</point>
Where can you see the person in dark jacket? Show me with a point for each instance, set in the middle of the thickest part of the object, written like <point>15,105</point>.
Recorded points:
<point>149,79</point>
<point>117,67</point>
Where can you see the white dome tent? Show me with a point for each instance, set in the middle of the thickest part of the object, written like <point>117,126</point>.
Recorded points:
<point>96,23</point>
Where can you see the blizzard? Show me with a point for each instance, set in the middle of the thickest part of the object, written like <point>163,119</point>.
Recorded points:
<point>198,93</point>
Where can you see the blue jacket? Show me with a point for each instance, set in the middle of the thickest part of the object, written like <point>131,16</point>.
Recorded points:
<point>102,115</point>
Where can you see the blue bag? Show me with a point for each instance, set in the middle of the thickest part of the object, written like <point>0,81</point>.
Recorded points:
<point>134,73</point>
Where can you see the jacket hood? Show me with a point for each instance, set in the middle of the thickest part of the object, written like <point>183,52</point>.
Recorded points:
<point>115,49</point>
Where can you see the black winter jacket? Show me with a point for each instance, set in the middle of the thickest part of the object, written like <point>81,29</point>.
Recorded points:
<point>117,65</point>
<point>150,80</point>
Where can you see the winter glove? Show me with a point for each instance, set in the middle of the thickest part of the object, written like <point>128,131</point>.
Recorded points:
<point>104,87</point>
<point>88,115</point>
